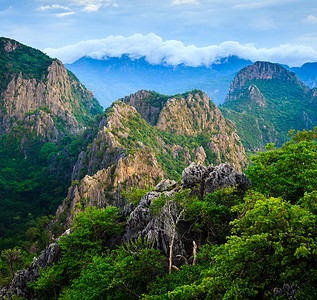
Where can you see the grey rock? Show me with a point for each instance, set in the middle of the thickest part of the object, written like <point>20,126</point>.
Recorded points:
<point>193,174</point>
<point>288,291</point>
<point>213,178</point>
<point>165,185</point>
<point>142,223</point>
<point>21,279</point>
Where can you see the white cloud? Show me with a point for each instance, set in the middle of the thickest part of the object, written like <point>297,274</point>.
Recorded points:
<point>65,14</point>
<point>172,52</point>
<point>177,2</point>
<point>92,7</point>
<point>53,6</point>
<point>310,20</point>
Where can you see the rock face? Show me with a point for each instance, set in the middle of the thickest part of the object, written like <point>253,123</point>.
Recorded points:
<point>158,228</point>
<point>192,114</point>
<point>19,285</point>
<point>142,220</point>
<point>144,103</point>
<point>105,187</point>
<point>265,101</point>
<point>47,98</point>
<point>211,178</point>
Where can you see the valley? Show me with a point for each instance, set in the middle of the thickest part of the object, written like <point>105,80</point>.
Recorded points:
<point>156,196</point>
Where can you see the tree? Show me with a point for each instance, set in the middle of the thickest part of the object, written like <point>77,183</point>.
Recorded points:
<point>12,256</point>
<point>273,243</point>
<point>288,172</point>
<point>171,211</point>
<point>212,214</point>
<point>91,231</point>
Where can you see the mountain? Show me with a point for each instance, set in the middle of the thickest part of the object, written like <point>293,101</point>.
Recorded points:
<point>265,101</point>
<point>34,86</point>
<point>114,78</point>
<point>143,138</point>
<point>42,109</point>
<point>307,73</point>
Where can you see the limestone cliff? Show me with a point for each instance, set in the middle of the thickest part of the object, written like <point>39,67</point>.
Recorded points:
<point>265,101</point>
<point>192,114</point>
<point>127,151</point>
<point>37,88</point>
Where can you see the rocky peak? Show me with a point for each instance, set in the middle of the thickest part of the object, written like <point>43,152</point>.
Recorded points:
<point>41,84</point>
<point>148,103</point>
<point>10,45</point>
<point>261,71</point>
<point>191,114</point>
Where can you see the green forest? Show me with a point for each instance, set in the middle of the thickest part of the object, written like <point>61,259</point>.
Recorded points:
<point>258,245</point>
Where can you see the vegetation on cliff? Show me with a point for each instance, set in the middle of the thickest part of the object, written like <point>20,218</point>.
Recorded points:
<point>266,101</point>
<point>42,110</point>
<point>257,245</point>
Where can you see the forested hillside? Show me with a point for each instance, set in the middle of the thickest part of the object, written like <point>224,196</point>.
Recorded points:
<point>225,241</point>
<point>148,199</point>
<point>42,109</point>
<point>266,101</point>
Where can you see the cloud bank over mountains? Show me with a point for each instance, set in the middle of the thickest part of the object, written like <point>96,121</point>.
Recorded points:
<point>173,52</point>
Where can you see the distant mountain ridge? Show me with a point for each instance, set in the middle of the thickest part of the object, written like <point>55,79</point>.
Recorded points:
<point>115,78</point>
<point>265,101</point>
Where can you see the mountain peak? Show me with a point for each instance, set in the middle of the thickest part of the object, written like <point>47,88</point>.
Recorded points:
<point>31,82</point>
<point>9,45</point>
<point>261,70</point>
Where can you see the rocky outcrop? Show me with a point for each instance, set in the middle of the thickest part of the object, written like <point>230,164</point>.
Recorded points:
<point>191,114</point>
<point>19,285</point>
<point>261,71</point>
<point>52,91</point>
<point>148,104</point>
<point>209,179</point>
<point>105,186</point>
<point>142,220</point>
<point>158,227</point>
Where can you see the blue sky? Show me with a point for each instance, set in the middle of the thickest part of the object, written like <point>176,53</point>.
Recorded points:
<point>174,31</point>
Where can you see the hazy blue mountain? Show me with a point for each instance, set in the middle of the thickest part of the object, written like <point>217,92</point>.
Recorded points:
<point>117,77</point>
<point>307,73</point>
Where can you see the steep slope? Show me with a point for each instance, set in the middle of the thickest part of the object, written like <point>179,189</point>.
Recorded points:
<point>33,86</point>
<point>42,109</point>
<point>266,101</point>
<point>131,148</point>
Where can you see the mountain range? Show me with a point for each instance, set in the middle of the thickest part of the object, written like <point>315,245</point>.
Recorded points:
<point>152,174</point>
<point>117,77</point>
<point>49,130</point>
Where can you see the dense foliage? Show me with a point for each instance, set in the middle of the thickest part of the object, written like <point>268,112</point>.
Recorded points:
<point>260,245</point>
<point>264,110</point>
<point>34,178</point>
<point>31,62</point>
